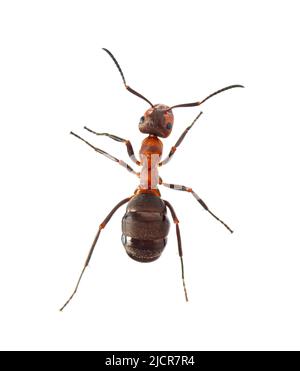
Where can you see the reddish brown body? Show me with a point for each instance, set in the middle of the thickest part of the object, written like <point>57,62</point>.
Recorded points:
<point>145,225</point>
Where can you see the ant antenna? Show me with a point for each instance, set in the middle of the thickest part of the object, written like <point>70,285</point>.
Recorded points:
<point>123,78</point>
<point>211,95</point>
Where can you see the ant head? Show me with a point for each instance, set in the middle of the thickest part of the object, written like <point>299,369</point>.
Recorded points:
<point>157,120</point>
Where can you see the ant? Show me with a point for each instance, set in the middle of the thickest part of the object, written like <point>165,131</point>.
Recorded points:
<point>145,225</point>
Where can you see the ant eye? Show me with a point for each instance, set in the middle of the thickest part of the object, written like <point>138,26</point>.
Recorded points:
<point>142,119</point>
<point>169,126</point>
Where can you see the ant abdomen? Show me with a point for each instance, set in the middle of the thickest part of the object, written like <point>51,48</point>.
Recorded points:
<point>145,227</point>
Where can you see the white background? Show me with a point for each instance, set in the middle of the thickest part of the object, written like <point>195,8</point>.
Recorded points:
<point>242,158</point>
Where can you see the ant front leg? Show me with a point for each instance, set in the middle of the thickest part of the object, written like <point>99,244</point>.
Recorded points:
<point>102,226</point>
<point>174,148</point>
<point>130,150</point>
<point>120,162</point>
<point>201,202</point>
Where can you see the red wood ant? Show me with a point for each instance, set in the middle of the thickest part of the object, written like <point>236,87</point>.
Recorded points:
<point>145,225</point>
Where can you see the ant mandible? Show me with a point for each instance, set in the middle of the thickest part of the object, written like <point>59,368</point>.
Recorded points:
<point>145,225</point>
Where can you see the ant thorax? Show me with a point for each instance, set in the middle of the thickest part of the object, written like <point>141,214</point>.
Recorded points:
<point>150,155</point>
<point>149,177</point>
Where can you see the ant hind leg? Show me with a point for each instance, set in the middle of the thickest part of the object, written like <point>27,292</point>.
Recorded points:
<point>176,221</point>
<point>102,226</point>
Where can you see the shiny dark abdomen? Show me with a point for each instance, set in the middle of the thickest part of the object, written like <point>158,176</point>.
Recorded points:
<point>145,227</point>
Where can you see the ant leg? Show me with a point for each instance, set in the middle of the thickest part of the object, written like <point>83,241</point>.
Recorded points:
<point>173,149</point>
<point>102,226</point>
<point>120,162</point>
<point>176,221</point>
<point>130,150</point>
<point>201,202</point>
